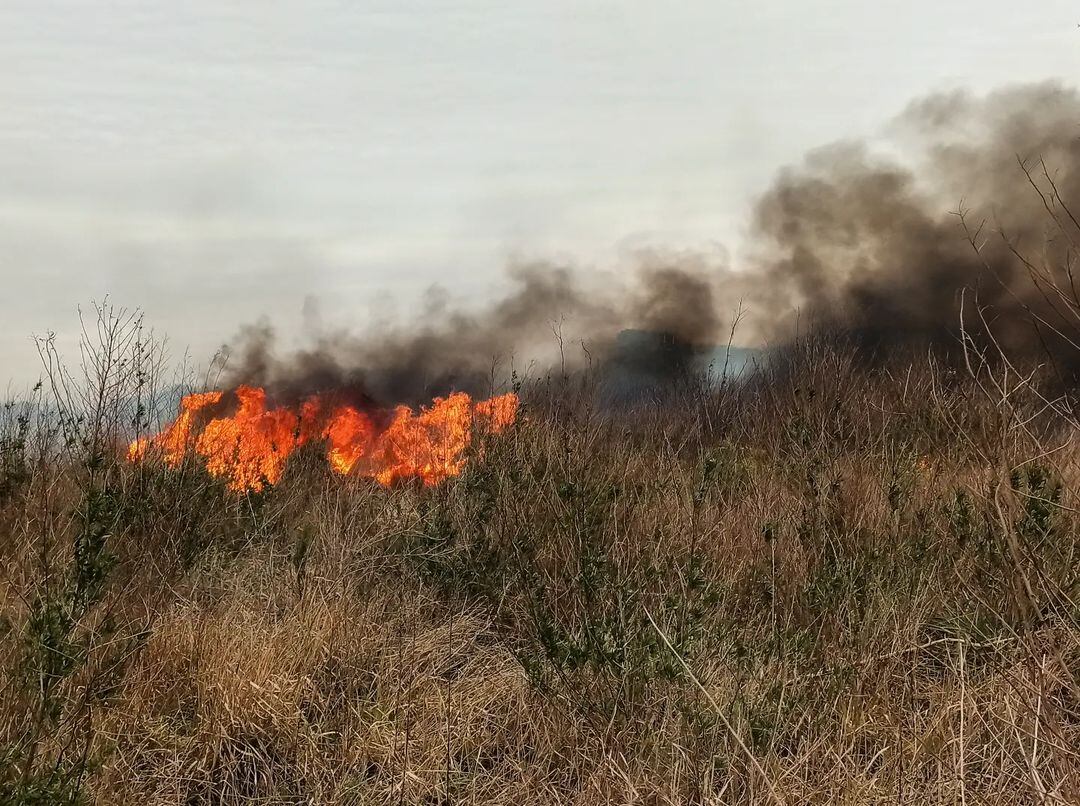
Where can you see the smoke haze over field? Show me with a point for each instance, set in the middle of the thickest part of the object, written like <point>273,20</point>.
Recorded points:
<point>850,241</point>
<point>445,348</point>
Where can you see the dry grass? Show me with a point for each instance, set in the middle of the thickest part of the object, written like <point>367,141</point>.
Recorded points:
<point>830,585</point>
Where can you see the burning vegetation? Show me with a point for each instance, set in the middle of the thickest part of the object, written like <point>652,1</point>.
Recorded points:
<point>251,445</point>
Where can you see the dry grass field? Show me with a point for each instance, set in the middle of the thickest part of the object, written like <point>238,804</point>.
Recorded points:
<point>829,583</point>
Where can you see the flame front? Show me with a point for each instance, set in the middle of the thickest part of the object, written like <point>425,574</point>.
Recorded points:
<point>250,447</point>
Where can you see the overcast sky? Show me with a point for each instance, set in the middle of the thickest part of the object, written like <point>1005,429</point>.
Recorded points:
<point>212,162</point>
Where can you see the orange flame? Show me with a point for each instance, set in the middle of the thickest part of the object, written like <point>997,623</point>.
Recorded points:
<point>172,443</point>
<point>250,447</point>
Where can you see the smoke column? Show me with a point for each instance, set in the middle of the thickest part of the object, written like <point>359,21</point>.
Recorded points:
<point>874,248</point>
<point>851,241</point>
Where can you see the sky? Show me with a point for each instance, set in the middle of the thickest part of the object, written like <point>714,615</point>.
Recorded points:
<point>214,162</point>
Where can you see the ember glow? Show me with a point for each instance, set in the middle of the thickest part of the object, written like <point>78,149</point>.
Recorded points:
<point>250,446</point>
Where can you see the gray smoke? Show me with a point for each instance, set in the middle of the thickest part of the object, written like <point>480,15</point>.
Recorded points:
<point>448,349</point>
<point>853,242</point>
<point>873,247</point>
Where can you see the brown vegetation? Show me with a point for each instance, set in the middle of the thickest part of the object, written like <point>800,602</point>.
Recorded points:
<point>826,584</point>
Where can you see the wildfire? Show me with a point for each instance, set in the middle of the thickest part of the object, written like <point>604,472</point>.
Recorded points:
<point>250,447</point>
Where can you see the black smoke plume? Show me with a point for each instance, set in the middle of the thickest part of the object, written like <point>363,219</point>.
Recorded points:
<point>977,198</point>
<point>548,309</point>
<point>881,248</point>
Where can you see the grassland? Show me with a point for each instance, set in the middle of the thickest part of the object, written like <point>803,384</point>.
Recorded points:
<point>828,584</point>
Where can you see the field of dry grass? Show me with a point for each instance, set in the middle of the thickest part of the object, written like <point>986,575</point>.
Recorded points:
<point>829,584</point>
